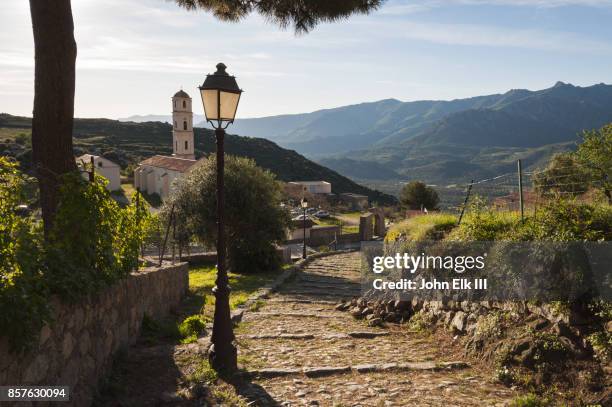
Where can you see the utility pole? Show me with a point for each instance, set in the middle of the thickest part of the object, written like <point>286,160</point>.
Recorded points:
<point>467,196</point>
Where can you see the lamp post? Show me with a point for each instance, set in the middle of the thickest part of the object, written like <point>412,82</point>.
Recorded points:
<point>304,203</point>
<point>220,96</point>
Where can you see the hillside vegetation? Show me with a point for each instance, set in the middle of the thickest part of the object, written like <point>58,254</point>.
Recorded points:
<point>127,143</point>
<point>440,142</point>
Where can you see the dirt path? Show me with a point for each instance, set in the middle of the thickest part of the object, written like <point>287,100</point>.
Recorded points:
<point>303,352</point>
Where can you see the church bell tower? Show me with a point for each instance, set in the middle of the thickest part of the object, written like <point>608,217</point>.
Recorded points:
<point>182,129</point>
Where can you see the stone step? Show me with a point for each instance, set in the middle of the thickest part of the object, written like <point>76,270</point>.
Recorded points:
<point>365,368</point>
<point>292,314</point>
<point>350,335</point>
<point>323,293</point>
<point>299,301</point>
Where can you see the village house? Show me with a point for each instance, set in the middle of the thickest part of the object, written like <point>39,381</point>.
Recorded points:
<point>156,174</point>
<point>102,166</point>
<point>313,187</point>
<point>355,201</point>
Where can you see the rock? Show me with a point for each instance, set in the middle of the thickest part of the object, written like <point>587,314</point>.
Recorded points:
<point>356,312</point>
<point>391,317</point>
<point>366,311</point>
<point>365,368</point>
<point>168,397</point>
<point>609,327</point>
<point>367,335</point>
<point>402,306</point>
<point>370,317</point>
<point>67,345</point>
<point>375,322</point>
<point>562,329</point>
<point>538,324</point>
<point>325,371</point>
<point>458,322</point>
<point>342,306</point>
<point>275,372</point>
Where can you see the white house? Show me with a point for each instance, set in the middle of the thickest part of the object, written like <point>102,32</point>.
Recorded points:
<point>314,187</point>
<point>104,167</point>
<point>156,174</point>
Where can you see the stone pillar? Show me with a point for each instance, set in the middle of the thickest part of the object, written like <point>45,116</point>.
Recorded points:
<point>379,222</point>
<point>365,227</point>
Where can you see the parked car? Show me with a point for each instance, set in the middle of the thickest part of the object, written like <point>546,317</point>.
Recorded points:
<point>322,214</point>
<point>301,217</point>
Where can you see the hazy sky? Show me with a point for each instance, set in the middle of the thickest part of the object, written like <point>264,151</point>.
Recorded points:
<point>134,54</point>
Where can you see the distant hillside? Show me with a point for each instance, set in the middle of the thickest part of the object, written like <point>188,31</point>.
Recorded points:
<point>441,142</point>
<point>128,142</point>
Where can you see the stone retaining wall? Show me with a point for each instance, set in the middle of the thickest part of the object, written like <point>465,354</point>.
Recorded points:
<point>77,349</point>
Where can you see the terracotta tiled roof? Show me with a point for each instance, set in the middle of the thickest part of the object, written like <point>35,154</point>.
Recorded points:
<point>169,163</point>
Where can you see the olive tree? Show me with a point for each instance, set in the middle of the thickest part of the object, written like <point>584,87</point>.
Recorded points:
<point>254,218</point>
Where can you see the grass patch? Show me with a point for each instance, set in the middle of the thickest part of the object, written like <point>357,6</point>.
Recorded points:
<point>202,373</point>
<point>154,332</point>
<point>202,281</point>
<point>425,227</point>
<point>529,400</point>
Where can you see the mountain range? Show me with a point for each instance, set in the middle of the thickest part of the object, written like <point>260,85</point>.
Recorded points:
<point>440,142</point>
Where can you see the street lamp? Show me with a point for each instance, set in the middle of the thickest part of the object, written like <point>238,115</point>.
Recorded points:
<point>220,96</point>
<point>304,204</point>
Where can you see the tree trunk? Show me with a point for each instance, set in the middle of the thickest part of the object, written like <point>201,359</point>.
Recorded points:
<point>54,81</point>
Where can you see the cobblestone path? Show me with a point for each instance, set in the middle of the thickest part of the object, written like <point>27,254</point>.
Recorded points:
<point>303,352</point>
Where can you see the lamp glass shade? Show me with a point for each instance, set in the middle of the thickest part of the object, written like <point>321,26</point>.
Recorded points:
<point>220,105</point>
<point>304,203</point>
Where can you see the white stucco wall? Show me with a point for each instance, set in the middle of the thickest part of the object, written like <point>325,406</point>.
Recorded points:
<point>151,180</point>
<point>105,168</point>
<point>315,187</point>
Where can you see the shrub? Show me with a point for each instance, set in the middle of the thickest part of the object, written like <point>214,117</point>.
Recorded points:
<point>192,327</point>
<point>93,243</point>
<point>23,294</point>
<point>483,224</point>
<point>417,195</point>
<point>565,220</point>
<point>426,227</point>
<point>529,400</point>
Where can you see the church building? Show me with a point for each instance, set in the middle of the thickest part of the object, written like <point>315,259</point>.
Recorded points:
<point>156,174</point>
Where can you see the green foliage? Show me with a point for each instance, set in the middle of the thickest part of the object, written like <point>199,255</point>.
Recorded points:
<point>427,227</point>
<point>601,342</point>
<point>203,373</point>
<point>94,242</point>
<point>156,331</point>
<point>560,220</point>
<point>594,153</point>
<point>23,294</point>
<point>564,220</point>
<point>254,220</point>
<point>303,16</point>
<point>481,223</point>
<point>417,195</point>
<point>529,400</point>
<point>192,328</point>
<point>562,175</point>
<point>132,141</point>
